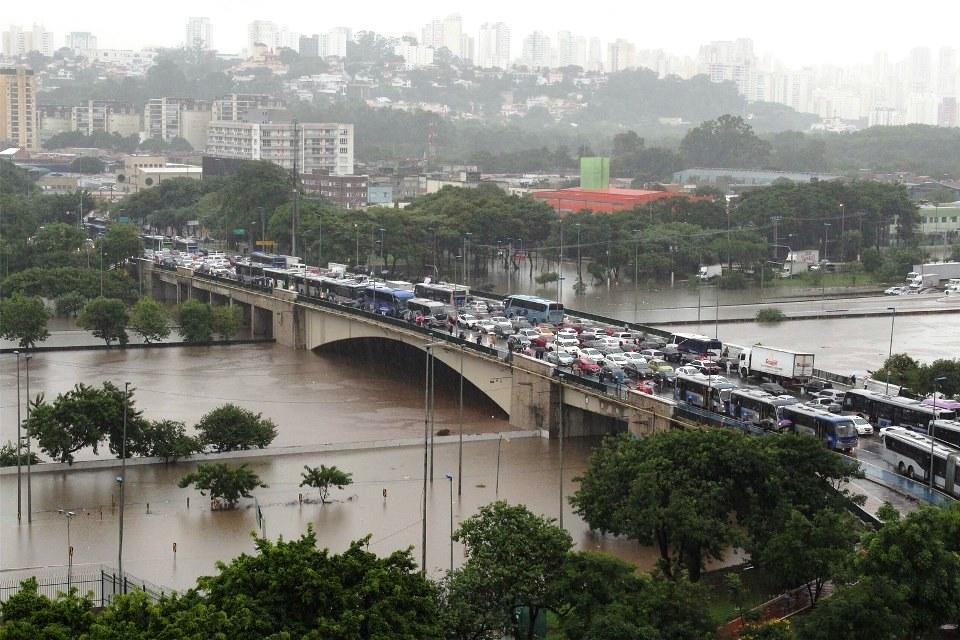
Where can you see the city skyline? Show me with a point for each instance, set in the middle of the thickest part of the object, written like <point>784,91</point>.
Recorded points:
<point>836,43</point>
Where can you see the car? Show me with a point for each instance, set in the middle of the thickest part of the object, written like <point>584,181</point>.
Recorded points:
<point>486,326</point>
<point>467,321</point>
<point>639,371</point>
<point>592,353</point>
<point>590,333</point>
<point>659,365</point>
<point>623,336</point>
<point>645,386</point>
<point>520,323</point>
<point>894,291</point>
<point>649,354</point>
<point>829,404</point>
<point>635,357</point>
<point>773,388</point>
<point>476,306</point>
<point>545,330</point>
<point>665,377</point>
<point>518,340</point>
<point>706,367</point>
<point>586,365</point>
<point>612,372</point>
<point>528,331</point>
<point>539,342</point>
<point>834,394</point>
<point>504,328</point>
<point>815,386</point>
<point>687,370</point>
<point>618,359</point>
<point>864,428</point>
<point>563,341</point>
<point>560,358</point>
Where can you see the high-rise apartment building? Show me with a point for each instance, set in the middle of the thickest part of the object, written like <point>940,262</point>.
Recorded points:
<point>169,118</point>
<point>105,116</point>
<point>80,41</point>
<point>235,106</point>
<point>198,34</point>
<point>566,49</point>
<point>536,50</point>
<point>333,43</point>
<point>447,33</point>
<point>494,46</point>
<point>19,42</point>
<point>262,32</point>
<point>621,55</point>
<point>310,46</point>
<point>272,136</point>
<point>18,108</point>
<point>595,55</point>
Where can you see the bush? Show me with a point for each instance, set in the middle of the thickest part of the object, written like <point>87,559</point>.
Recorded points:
<point>733,280</point>
<point>196,322</point>
<point>547,277</point>
<point>224,484</point>
<point>770,315</point>
<point>230,427</point>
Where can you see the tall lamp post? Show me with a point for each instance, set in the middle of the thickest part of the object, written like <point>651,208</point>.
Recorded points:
<point>356,232</point>
<point>69,516</point>
<point>843,253</point>
<point>636,270</point>
<point>26,360</point>
<point>936,389</point>
<point>19,442</point>
<point>561,449</point>
<point>893,318</point>
<point>122,480</point>
<point>426,452</point>
<point>450,482</point>
<point>579,258</point>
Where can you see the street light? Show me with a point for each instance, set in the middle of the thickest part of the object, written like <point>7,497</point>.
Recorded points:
<point>936,389</point>
<point>460,444</point>
<point>842,224</point>
<point>893,317</point>
<point>19,441</point>
<point>122,481</point>
<point>356,230</point>
<point>426,451</point>
<point>381,246</point>
<point>561,449</point>
<point>579,258</point>
<point>636,270</point>
<point>26,360</point>
<point>450,479</point>
<point>500,440</point>
<point>69,516</point>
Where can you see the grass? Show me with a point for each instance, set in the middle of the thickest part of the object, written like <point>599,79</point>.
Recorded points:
<point>822,279</point>
<point>758,587</point>
<point>770,315</point>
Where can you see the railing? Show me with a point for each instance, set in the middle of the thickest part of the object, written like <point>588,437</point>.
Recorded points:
<point>698,414</point>
<point>98,582</point>
<point>895,481</point>
<point>832,377</point>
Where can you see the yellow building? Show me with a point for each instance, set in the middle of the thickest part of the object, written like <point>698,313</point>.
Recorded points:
<point>18,108</point>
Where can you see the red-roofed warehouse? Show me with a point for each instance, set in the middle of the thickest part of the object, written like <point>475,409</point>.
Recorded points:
<point>605,200</point>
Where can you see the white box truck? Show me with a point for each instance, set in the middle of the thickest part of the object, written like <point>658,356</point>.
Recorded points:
<point>799,262</point>
<point>778,364</point>
<point>710,271</point>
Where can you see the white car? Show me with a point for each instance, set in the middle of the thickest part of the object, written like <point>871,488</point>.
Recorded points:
<point>502,324</point>
<point>649,354</point>
<point>563,341</point>
<point>560,357</point>
<point>590,333</point>
<point>476,306</point>
<point>529,332</point>
<point>834,394</point>
<point>618,359</point>
<point>467,320</point>
<point>486,326</point>
<point>893,291</point>
<point>594,354</point>
<point>635,357</point>
<point>688,371</point>
<point>864,428</point>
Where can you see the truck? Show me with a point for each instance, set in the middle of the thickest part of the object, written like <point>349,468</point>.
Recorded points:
<point>799,262</point>
<point>924,281</point>
<point>775,363</point>
<point>943,270</point>
<point>710,271</point>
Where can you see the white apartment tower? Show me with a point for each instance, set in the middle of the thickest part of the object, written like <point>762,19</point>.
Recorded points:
<point>447,32</point>
<point>621,55</point>
<point>198,34</point>
<point>536,50</point>
<point>262,32</point>
<point>494,46</point>
<point>80,41</point>
<point>18,42</point>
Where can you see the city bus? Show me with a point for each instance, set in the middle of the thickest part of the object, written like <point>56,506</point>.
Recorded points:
<point>382,299</point>
<point>909,453</point>
<point>534,309</point>
<point>698,345</point>
<point>753,405</point>
<point>345,291</point>
<point>186,245</point>
<point>269,259</point>
<point>431,311</point>
<point>156,243</point>
<point>886,411</point>
<point>836,432</point>
<point>451,294</point>
<point>694,390</point>
<point>947,431</point>
<point>249,273</point>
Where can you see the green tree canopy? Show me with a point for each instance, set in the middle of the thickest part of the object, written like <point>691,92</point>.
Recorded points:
<point>727,141</point>
<point>120,242</point>
<point>87,164</point>
<point>323,478</point>
<point>226,321</point>
<point>225,484</point>
<point>149,319</point>
<point>24,320</point>
<point>196,321</point>
<point>107,318</point>
<point>229,427</point>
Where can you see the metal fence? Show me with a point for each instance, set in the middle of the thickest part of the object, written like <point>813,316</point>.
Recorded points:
<point>903,484</point>
<point>97,582</point>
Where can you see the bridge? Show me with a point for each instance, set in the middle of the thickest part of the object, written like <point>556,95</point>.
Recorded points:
<point>533,393</point>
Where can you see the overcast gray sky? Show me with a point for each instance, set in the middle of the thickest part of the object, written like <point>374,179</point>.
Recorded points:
<point>798,32</point>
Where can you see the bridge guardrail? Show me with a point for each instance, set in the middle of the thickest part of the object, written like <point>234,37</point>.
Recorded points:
<point>913,488</point>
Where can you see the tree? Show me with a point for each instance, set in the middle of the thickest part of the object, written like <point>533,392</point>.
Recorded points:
<point>106,318</point>
<point>874,607</point>
<point>324,477</point>
<point>226,321</point>
<point>83,417</point>
<point>229,427</point>
<point>727,141</point>
<point>518,558</point>
<point>8,456</point>
<point>226,485</point>
<point>87,164</point>
<point>24,320</point>
<point>196,322</point>
<point>809,551</point>
<point>149,319</point>
<point>166,439</point>
<point>121,241</point>
<point>26,614</point>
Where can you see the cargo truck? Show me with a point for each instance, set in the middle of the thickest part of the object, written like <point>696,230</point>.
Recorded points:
<point>777,364</point>
<point>710,271</point>
<point>944,271</point>
<point>799,262</point>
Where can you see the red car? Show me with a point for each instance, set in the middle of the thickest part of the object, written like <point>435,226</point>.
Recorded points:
<point>586,365</point>
<point>645,386</point>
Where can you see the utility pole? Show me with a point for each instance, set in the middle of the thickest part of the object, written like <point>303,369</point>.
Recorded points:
<point>843,253</point>
<point>122,479</point>
<point>296,190</point>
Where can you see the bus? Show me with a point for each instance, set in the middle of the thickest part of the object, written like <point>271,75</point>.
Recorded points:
<point>269,259</point>
<point>451,294</point>
<point>386,301</point>
<point>345,291</point>
<point>886,411</point>
<point>753,405</point>
<point>249,273</point>
<point>430,312</point>
<point>156,243</point>
<point>694,390</point>
<point>909,453</point>
<point>698,345</point>
<point>836,432</point>
<point>534,309</point>
<point>947,431</point>
<point>186,245</point>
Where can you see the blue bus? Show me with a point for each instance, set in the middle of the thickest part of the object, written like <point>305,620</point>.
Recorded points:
<point>269,259</point>
<point>386,301</point>
<point>837,432</point>
<point>758,407</point>
<point>534,309</point>
<point>706,392</point>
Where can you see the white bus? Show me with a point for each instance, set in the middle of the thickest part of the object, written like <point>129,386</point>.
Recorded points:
<point>909,453</point>
<point>947,431</point>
